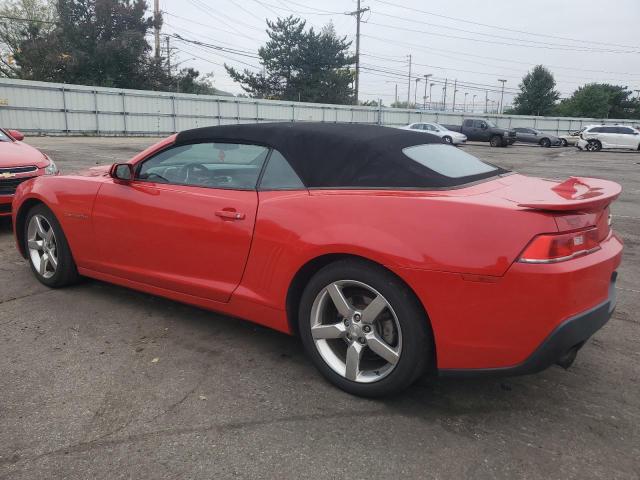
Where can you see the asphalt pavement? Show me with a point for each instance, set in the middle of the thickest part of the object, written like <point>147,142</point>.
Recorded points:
<point>101,382</point>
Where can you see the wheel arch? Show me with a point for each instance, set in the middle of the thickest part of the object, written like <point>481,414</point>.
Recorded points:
<point>311,267</point>
<point>21,217</point>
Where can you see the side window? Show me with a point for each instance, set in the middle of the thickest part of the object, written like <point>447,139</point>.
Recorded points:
<point>609,129</point>
<point>595,130</point>
<point>416,126</point>
<point>210,164</point>
<point>625,130</point>
<point>278,175</point>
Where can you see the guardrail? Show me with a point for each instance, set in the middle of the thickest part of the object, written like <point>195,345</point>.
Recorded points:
<point>55,108</point>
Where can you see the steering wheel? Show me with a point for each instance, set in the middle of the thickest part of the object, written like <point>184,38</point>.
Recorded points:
<point>195,172</point>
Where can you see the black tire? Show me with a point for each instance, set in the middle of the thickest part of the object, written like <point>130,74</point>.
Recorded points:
<point>496,141</point>
<point>447,139</point>
<point>545,142</point>
<point>563,142</point>
<point>593,146</point>
<point>66,272</point>
<point>417,340</point>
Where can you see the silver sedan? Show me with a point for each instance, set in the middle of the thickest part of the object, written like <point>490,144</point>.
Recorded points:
<point>447,136</point>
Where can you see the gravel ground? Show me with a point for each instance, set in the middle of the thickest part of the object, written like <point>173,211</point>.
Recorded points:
<point>101,382</point>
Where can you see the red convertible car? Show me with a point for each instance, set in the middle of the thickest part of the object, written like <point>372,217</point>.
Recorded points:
<point>19,162</point>
<point>390,254</point>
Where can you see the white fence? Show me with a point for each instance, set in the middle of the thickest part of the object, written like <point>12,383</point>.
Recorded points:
<point>55,108</point>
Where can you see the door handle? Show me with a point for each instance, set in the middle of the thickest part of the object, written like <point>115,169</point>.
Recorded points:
<point>230,215</point>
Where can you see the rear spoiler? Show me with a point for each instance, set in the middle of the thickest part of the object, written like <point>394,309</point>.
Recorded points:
<point>576,194</point>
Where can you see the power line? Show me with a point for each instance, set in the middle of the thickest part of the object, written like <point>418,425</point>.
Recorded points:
<point>404,7</point>
<point>33,20</point>
<point>495,42</point>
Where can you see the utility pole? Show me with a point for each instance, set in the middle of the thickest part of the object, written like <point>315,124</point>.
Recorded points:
<point>409,83</point>
<point>430,98</point>
<point>415,94</point>
<point>464,108</point>
<point>444,96</point>
<point>168,57</point>
<point>156,32</point>
<point>396,95</point>
<point>426,80</point>
<point>455,90</point>
<point>358,14</point>
<point>486,101</point>
<point>473,103</point>
<point>500,109</point>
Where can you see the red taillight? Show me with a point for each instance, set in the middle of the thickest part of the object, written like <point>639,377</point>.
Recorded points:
<point>551,248</point>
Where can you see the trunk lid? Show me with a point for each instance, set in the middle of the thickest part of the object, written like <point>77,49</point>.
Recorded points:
<point>575,194</point>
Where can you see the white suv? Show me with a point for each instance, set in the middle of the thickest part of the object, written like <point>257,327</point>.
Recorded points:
<point>597,137</point>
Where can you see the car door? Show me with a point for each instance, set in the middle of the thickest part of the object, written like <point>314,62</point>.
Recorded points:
<point>609,137</point>
<point>432,130</point>
<point>628,137</point>
<point>522,135</point>
<point>185,222</point>
<point>482,130</point>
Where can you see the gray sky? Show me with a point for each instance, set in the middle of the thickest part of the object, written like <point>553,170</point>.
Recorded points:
<point>580,41</point>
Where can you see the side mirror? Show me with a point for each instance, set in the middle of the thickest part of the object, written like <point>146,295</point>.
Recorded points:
<point>17,135</point>
<point>122,172</point>
<point>484,126</point>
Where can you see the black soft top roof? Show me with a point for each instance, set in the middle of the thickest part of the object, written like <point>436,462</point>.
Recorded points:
<point>338,155</point>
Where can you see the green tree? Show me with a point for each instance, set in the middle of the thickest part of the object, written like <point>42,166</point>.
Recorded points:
<point>537,95</point>
<point>300,64</point>
<point>39,19</point>
<point>600,100</point>
<point>95,42</point>
<point>188,81</point>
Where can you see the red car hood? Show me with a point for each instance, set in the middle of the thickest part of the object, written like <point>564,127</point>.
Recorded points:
<point>18,154</point>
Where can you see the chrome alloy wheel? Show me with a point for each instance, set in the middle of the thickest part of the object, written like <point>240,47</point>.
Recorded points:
<point>41,242</point>
<point>356,331</point>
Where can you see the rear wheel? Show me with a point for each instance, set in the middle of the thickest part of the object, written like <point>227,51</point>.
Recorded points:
<point>495,141</point>
<point>47,249</point>
<point>364,329</point>
<point>545,142</point>
<point>593,146</point>
<point>447,139</point>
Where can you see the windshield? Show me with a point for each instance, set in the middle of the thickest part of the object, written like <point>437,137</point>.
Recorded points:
<point>491,124</point>
<point>439,127</point>
<point>4,137</point>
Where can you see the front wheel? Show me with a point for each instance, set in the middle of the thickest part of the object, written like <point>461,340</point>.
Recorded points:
<point>447,139</point>
<point>563,142</point>
<point>364,329</point>
<point>495,141</point>
<point>593,146</point>
<point>545,142</point>
<point>47,249</point>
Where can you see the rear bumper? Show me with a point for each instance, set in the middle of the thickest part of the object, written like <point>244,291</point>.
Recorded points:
<point>489,323</point>
<point>560,347</point>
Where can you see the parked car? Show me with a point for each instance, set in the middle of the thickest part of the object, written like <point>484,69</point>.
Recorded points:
<point>597,137</point>
<point>446,135</point>
<point>571,138</point>
<point>19,162</point>
<point>485,131</point>
<point>531,135</point>
<point>383,249</point>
